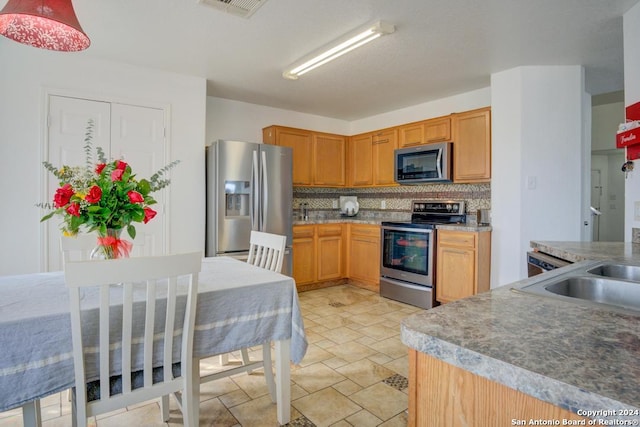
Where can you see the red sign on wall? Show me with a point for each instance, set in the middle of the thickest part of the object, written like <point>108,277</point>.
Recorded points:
<point>631,138</point>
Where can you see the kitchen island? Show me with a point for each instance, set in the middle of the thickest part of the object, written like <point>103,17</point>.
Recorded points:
<point>558,359</point>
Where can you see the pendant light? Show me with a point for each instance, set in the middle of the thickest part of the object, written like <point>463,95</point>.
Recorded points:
<point>47,24</point>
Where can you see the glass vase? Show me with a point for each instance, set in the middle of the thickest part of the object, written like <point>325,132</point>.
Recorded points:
<point>111,246</point>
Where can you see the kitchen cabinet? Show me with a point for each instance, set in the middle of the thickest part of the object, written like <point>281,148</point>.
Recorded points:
<point>371,158</point>
<point>304,254</point>
<point>425,132</point>
<point>441,394</point>
<point>472,146</point>
<point>319,159</point>
<point>463,264</point>
<point>363,258</point>
<point>318,253</point>
<point>330,257</point>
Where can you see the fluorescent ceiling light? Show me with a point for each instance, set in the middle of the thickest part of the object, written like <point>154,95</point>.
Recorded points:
<point>338,48</point>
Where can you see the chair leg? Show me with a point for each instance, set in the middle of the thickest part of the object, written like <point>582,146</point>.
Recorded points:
<point>31,414</point>
<point>164,408</point>
<point>224,359</point>
<point>245,358</point>
<point>268,370</point>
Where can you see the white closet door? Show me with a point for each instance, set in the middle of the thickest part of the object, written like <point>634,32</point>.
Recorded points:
<point>68,119</point>
<point>132,133</point>
<point>137,137</point>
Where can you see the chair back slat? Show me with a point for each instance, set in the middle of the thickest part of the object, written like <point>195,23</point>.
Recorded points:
<point>117,281</point>
<point>266,250</point>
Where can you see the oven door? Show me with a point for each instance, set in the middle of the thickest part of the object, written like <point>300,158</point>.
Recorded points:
<point>407,254</point>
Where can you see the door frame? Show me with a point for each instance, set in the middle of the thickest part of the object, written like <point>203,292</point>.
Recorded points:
<point>46,94</point>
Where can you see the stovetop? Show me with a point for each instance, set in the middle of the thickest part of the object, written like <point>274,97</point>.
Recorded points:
<point>429,213</point>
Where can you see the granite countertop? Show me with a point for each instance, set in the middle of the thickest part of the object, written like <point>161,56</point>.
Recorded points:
<point>378,220</point>
<point>580,251</point>
<point>570,355</point>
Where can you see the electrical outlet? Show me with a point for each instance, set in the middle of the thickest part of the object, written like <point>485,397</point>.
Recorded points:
<point>383,204</point>
<point>334,204</point>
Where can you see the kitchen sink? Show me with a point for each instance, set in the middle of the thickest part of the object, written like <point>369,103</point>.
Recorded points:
<point>608,286</point>
<point>617,271</point>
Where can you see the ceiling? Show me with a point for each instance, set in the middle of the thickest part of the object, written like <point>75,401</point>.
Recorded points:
<point>440,47</point>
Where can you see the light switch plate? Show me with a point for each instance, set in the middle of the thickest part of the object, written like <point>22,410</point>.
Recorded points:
<point>334,204</point>
<point>636,211</point>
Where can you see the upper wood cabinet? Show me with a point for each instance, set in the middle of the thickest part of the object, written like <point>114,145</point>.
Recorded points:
<point>371,158</point>
<point>425,132</point>
<point>319,159</point>
<point>472,146</point>
<point>329,155</point>
<point>301,141</point>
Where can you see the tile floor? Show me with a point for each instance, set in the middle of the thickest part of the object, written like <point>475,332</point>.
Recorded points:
<point>354,374</point>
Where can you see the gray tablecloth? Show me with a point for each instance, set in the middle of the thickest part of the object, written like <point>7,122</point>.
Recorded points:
<point>239,305</point>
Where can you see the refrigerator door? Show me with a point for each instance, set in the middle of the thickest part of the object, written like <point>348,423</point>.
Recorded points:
<point>276,191</point>
<point>230,196</point>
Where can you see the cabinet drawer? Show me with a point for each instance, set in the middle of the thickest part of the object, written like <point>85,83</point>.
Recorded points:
<point>329,230</point>
<point>463,239</point>
<point>365,231</point>
<point>303,231</point>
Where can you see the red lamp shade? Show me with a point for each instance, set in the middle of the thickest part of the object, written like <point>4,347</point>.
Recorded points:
<point>47,24</point>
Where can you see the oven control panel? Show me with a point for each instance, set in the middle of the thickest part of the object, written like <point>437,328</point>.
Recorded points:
<point>448,207</point>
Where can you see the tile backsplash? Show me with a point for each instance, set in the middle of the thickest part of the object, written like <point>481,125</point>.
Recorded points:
<point>397,199</point>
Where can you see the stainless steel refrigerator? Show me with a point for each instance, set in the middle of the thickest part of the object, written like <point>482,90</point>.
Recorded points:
<point>249,187</point>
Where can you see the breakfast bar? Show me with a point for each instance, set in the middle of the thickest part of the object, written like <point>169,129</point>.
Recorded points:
<point>577,360</point>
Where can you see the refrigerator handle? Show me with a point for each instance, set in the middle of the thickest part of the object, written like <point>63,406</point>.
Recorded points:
<point>264,190</point>
<point>254,192</point>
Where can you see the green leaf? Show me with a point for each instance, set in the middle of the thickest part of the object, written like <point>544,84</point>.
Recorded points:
<point>144,187</point>
<point>132,231</point>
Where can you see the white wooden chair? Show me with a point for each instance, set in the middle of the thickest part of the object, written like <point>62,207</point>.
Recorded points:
<point>266,250</point>
<point>123,382</point>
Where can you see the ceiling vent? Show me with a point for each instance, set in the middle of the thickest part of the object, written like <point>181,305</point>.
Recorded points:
<point>243,8</point>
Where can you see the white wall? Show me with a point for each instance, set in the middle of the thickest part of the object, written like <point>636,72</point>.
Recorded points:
<point>606,118</point>
<point>538,122</point>
<point>631,30</point>
<point>26,74</point>
<point>227,119</point>
<point>440,107</point>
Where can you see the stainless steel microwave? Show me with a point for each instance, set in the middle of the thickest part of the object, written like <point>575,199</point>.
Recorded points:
<point>424,163</point>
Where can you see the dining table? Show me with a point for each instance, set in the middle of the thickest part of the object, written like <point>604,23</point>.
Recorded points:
<point>239,306</point>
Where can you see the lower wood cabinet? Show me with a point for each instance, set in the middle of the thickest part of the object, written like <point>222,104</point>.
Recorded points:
<point>441,394</point>
<point>463,264</point>
<point>363,261</point>
<point>318,253</point>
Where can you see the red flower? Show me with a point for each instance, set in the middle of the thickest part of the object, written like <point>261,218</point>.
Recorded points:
<point>149,214</point>
<point>73,209</point>
<point>100,167</point>
<point>116,175</point>
<point>62,196</point>
<point>95,194</point>
<point>135,197</point>
<point>120,165</point>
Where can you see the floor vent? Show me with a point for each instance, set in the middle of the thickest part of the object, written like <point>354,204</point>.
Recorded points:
<point>301,422</point>
<point>336,304</point>
<point>397,381</point>
<point>243,8</point>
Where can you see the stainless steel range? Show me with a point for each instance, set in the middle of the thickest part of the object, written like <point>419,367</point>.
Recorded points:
<point>407,267</point>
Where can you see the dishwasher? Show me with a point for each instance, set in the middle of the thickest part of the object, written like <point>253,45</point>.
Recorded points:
<point>538,263</point>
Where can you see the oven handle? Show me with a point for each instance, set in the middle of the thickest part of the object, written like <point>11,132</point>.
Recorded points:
<point>413,230</point>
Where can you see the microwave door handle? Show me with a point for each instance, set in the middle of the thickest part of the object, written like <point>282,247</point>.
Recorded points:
<point>439,162</point>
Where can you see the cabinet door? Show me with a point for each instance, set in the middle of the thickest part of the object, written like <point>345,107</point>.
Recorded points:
<point>384,145</point>
<point>411,134</point>
<point>360,161</point>
<point>364,254</point>
<point>472,146</point>
<point>455,274</point>
<point>437,130</point>
<point>301,143</point>
<point>304,254</point>
<point>329,160</point>
<point>329,250</point>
